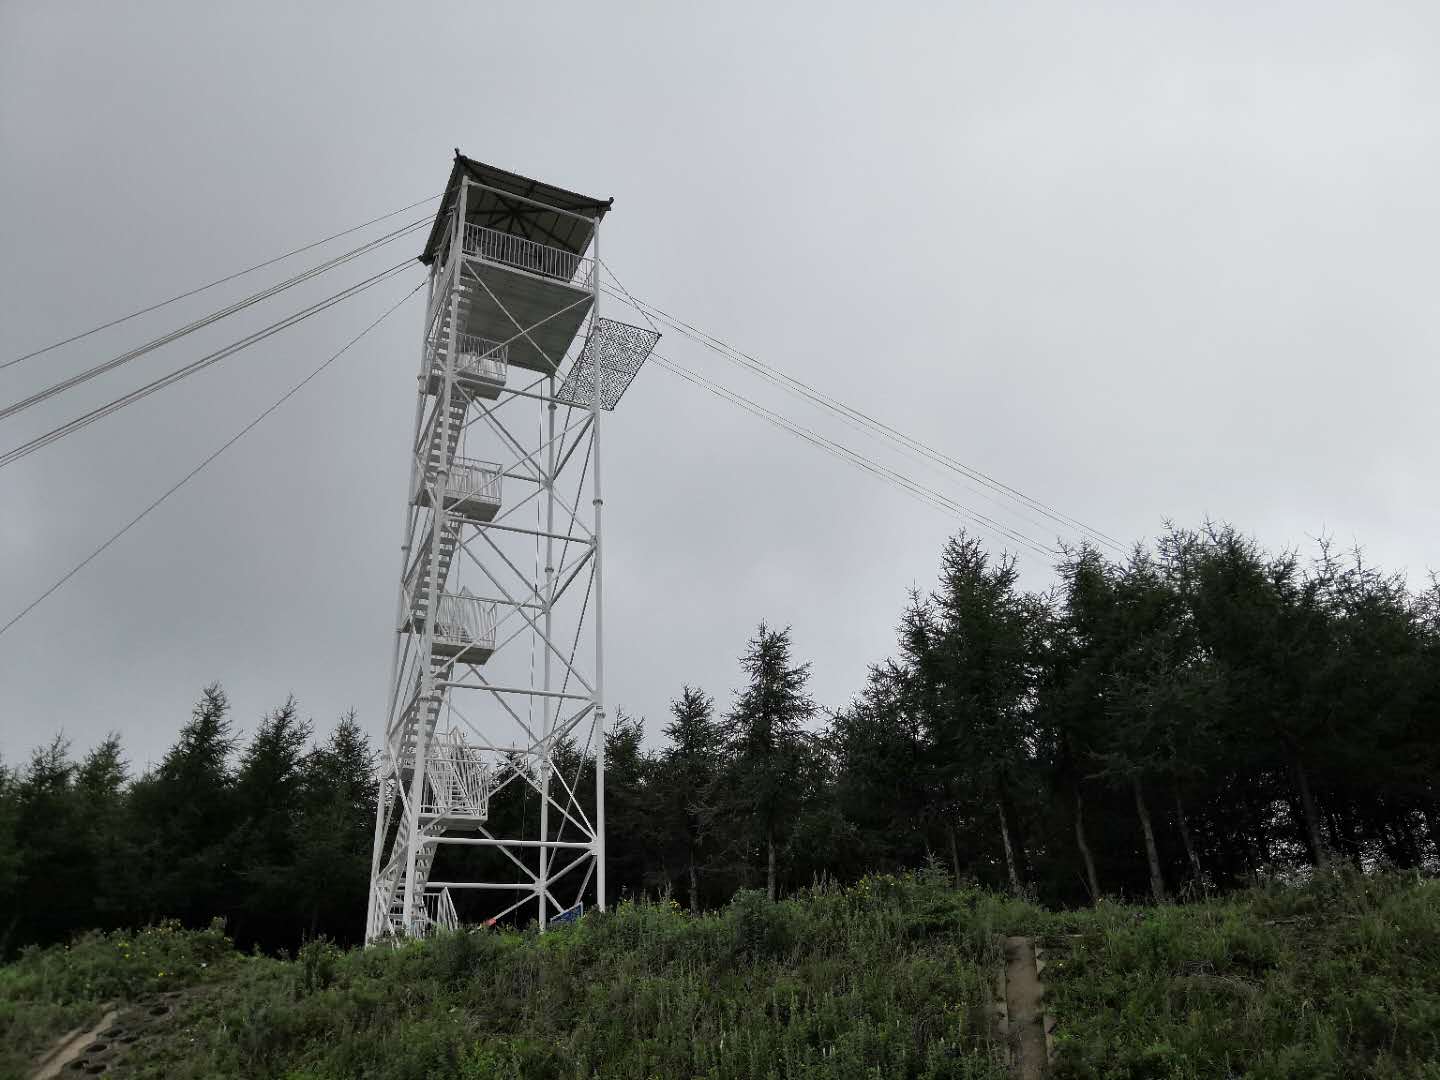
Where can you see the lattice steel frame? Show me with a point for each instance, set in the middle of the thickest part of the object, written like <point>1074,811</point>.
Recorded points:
<point>567,687</point>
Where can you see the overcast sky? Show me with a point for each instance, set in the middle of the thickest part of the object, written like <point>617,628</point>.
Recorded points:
<point>1141,261</point>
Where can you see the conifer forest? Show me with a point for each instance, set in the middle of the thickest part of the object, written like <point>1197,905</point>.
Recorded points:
<point>1174,724</point>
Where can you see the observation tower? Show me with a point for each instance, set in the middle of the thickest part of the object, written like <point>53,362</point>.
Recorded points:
<point>492,777</point>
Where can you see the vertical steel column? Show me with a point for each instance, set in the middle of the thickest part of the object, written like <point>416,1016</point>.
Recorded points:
<point>597,502</point>
<point>548,703</point>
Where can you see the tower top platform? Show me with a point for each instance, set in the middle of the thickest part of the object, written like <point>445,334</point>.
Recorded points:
<point>510,203</point>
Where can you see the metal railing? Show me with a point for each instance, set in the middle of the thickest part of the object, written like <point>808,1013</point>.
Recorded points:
<point>511,250</point>
<point>471,479</point>
<point>468,480</point>
<point>463,619</point>
<point>459,779</point>
<point>439,913</point>
<point>445,915</point>
<point>479,358</point>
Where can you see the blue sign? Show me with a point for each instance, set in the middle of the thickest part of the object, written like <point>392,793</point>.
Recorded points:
<point>569,915</point>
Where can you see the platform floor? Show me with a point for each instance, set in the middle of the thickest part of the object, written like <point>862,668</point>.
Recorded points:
<point>476,508</point>
<point>475,652</point>
<point>559,310</point>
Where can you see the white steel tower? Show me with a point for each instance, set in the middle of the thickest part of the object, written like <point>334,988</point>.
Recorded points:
<point>492,781</point>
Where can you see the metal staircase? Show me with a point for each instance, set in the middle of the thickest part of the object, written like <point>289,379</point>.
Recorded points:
<point>390,897</point>
<point>439,442</point>
<point>440,446</point>
<point>418,585</point>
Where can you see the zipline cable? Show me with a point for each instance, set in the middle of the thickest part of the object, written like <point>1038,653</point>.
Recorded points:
<point>200,467</point>
<point>874,426</point>
<point>218,281</point>
<point>850,456</point>
<point>819,397</point>
<point>71,426</point>
<point>853,457</point>
<point>199,324</point>
<point>844,453</point>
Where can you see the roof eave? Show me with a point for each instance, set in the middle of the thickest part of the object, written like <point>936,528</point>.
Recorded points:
<point>577,203</point>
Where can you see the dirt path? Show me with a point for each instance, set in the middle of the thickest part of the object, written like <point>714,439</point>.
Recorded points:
<point>102,1050</point>
<point>70,1047</point>
<point>1027,1013</point>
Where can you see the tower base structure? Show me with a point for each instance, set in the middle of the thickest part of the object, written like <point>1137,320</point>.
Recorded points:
<point>492,773</point>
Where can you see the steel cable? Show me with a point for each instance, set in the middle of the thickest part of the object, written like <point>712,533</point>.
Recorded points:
<point>71,426</point>
<point>929,495</point>
<point>208,320</point>
<point>203,464</point>
<point>218,281</point>
<point>819,397</point>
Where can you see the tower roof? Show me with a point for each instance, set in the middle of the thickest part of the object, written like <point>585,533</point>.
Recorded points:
<point>490,207</point>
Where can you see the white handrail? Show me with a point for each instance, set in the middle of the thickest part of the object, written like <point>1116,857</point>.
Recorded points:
<point>466,620</point>
<point>460,778</point>
<point>511,250</point>
<point>468,479</point>
<point>471,479</point>
<point>478,357</point>
<point>446,917</point>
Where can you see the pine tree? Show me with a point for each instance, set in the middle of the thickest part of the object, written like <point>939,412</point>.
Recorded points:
<point>335,833</point>
<point>185,814</point>
<point>268,800</point>
<point>970,648</point>
<point>1069,711</point>
<point>632,866</point>
<point>1266,628</point>
<point>101,784</point>
<point>10,857</point>
<point>55,890</point>
<point>686,781</point>
<point>765,737</point>
<point>880,761</point>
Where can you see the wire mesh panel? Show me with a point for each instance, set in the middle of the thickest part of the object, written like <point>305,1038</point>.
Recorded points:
<point>622,348</point>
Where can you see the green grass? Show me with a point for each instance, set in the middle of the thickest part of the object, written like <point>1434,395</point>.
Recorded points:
<point>889,978</point>
<point>1339,978</point>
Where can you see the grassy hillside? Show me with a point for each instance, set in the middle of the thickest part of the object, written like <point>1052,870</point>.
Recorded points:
<point>1340,978</point>
<point>890,978</point>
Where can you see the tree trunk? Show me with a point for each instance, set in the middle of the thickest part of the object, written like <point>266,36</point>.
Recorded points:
<point>770,863</point>
<point>1258,837</point>
<point>954,853</point>
<point>694,886</point>
<point>1189,843</point>
<point>1092,880</point>
<point>1404,848</point>
<point>1251,860</point>
<point>1009,850</point>
<point>1309,814</point>
<point>1414,839</point>
<point>1152,853</point>
<point>1342,828</point>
